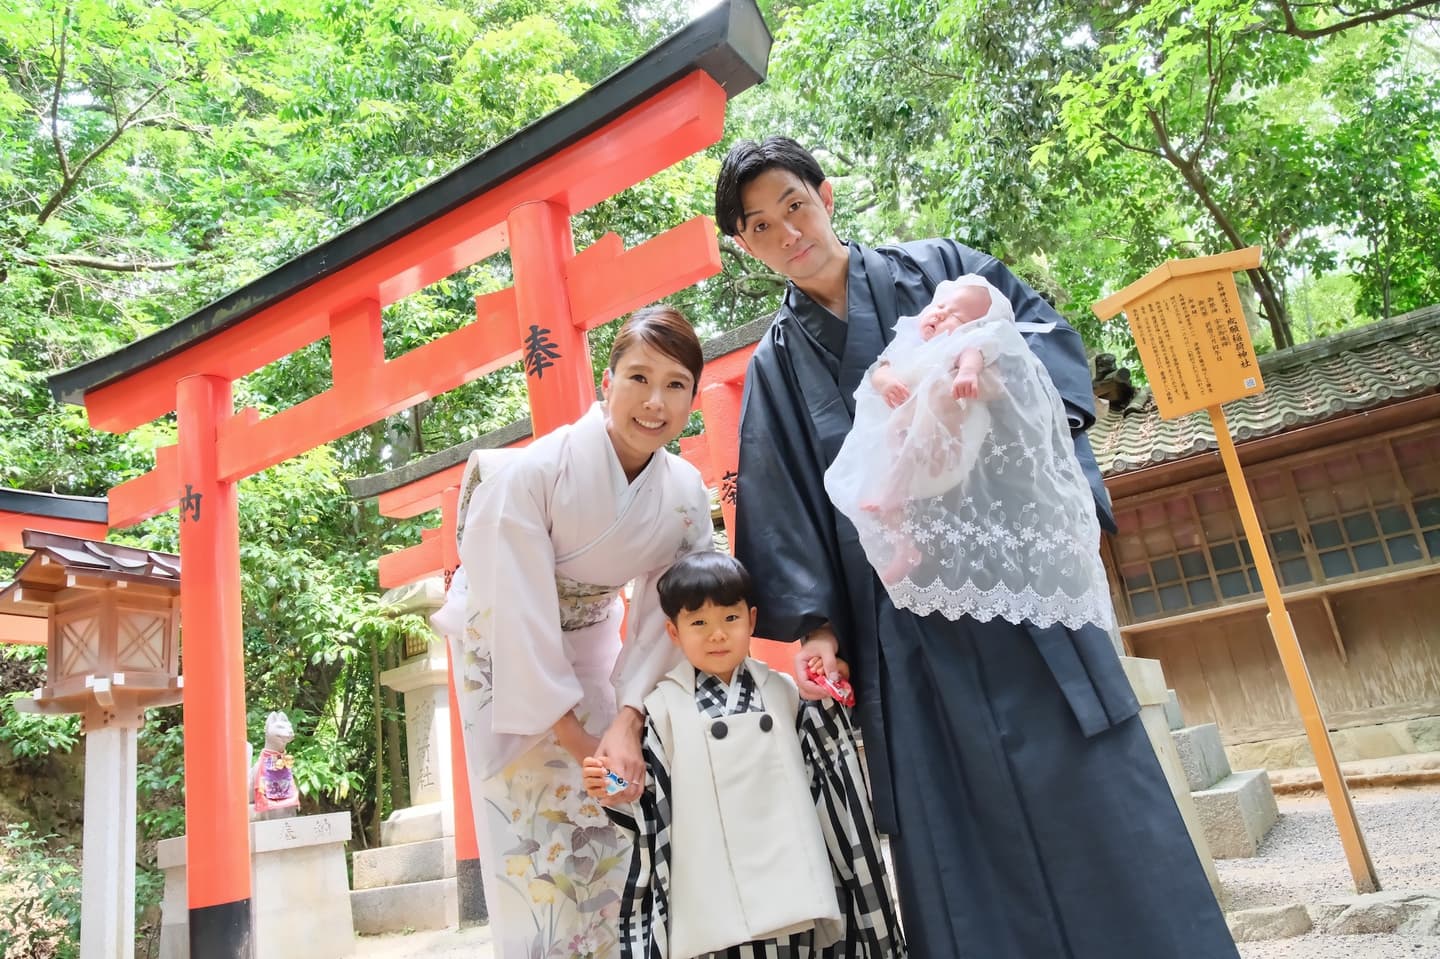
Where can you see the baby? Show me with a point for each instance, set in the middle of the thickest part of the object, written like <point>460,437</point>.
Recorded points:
<point>753,837</point>
<point>953,306</point>
<point>960,472</point>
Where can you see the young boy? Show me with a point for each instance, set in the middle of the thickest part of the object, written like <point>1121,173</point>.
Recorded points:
<point>754,832</point>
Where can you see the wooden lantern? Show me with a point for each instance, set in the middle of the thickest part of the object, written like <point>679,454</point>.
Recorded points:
<point>112,615</point>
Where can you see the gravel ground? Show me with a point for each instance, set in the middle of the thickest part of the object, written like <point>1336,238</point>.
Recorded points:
<point>1344,947</point>
<point>1301,859</point>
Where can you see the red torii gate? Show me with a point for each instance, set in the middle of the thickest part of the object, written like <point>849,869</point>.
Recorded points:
<point>83,516</point>
<point>661,108</point>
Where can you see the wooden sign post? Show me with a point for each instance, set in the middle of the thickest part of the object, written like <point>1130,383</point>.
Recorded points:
<point>1196,352</point>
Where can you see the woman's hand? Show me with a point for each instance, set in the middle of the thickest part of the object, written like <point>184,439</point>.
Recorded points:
<point>574,739</point>
<point>621,748</point>
<point>818,644</point>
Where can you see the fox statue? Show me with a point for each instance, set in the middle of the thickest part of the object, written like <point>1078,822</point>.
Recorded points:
<point>272,778</point>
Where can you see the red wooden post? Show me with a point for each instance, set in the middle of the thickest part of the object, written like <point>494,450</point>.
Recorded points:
<point>554,350</point>
<point>469,870</point>
<point>216,820</point>
<point>720,405</point>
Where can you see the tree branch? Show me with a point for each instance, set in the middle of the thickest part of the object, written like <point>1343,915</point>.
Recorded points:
<point>100,263</point>
<point>1134,148</point>
<point>55,95</point>
<point>1293,28</point>
<point>69,180</point>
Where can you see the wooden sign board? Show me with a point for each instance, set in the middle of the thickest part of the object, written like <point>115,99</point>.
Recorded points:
<point>1192,337</point>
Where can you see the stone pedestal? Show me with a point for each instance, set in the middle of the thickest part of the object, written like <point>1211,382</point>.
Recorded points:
<point>1148,680</point>
<point>423,685</point>
<point>409,880</point>
<point>299,893</point>
<point>107,899</point>
<point>422,682</point>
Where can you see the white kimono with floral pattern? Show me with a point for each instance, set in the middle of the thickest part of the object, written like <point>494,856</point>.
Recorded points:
<point>550,536</point>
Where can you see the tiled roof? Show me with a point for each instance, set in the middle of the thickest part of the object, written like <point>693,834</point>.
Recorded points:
<point>53,505</point>
<point>75,555</point>
<point>1357,370</point>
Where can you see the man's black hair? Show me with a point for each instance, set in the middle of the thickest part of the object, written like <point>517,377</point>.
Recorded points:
<point>747,160</point>
<point>699,578</point>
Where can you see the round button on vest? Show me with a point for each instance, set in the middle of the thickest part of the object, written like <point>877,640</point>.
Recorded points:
<point>766,723</point>
<point>718,729</point>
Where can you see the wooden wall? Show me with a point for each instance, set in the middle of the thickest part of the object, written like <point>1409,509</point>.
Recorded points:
<point>1225,669</point>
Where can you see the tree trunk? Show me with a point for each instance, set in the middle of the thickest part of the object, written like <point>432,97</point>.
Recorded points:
<point>1271,302</point>
<point>379,815</point>
<point>395,748</point>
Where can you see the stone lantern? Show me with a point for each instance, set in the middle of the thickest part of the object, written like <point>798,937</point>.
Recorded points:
<point>112,616</point>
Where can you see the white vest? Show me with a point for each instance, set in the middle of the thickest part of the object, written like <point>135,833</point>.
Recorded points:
<point>748,860</point>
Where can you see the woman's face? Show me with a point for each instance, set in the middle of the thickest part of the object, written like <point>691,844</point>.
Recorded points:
<point>647,403</point>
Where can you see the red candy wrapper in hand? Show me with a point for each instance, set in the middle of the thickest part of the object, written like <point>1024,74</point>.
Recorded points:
<point>838,688</point>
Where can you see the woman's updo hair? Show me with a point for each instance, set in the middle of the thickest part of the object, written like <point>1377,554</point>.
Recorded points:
<point>665,330</point>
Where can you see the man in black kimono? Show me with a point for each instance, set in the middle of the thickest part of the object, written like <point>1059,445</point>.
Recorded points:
<point>1028,815</point>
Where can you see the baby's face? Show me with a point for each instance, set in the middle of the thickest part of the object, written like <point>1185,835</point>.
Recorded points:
<point>953,309</point>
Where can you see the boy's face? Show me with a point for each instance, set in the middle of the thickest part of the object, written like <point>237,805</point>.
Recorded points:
<point>715,639</point>
<point>787,225</point>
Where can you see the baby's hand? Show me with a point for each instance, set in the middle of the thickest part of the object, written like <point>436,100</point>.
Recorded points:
<point>594,774</point>
<point>967,385</point>
<point>889,386</point>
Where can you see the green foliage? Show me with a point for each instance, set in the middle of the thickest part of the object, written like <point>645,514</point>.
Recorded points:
<point>39,897</point>
<point>30,736</point>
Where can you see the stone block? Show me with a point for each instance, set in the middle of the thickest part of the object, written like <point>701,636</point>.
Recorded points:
<point>1425,734</point>
<point>1405,913</point>
<point>417,824</point>
<point>397,865</point>
<point>1147,679</point>
<point>299,890</point>
<point>1236,813</point>
<point>1371,742</point>
<point>1173,715</point>
<point>1285,753</point>
<point>1202,755</point>
<point>1158,732</point>
<point>1270,922</point>
<point>418,905</point>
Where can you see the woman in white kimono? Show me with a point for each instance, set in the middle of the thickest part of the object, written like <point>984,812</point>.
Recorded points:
<point>550,535</point>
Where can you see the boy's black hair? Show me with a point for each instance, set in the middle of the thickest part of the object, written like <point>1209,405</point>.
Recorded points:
<point>699,578</point>
<point>747,160</point>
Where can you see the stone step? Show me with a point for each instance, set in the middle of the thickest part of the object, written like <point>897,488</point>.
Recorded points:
<point>1236,813</point>
<point>418,905</point>
<point>1202,755</point>
<point>407,863</point>
<point>416,824</point>
<point>1172,710</point>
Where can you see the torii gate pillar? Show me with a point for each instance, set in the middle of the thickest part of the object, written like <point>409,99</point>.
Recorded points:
<point>216,819</point>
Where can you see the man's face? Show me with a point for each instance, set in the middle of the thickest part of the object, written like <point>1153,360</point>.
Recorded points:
<point>787,225</point>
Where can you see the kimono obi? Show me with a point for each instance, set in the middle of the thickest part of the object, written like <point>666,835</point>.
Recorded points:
<point>584,604</point>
